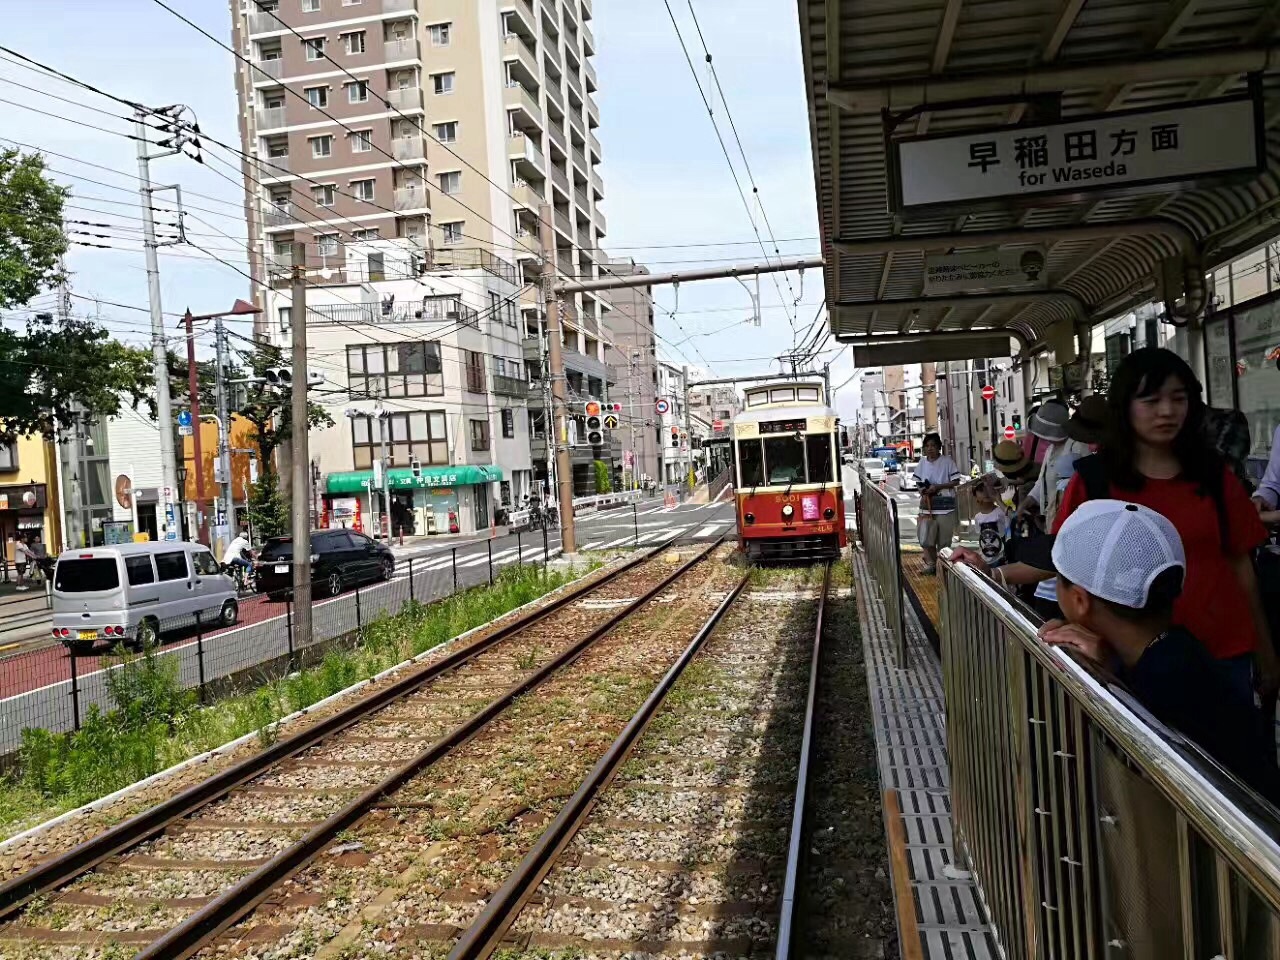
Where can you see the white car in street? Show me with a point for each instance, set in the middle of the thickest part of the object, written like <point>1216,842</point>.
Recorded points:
<point>874,468</point>
<point>907,477</point>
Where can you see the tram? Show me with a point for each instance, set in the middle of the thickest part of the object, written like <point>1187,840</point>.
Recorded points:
<point>788,495</point>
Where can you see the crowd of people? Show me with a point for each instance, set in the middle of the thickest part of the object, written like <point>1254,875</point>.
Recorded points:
<point>1130,524</point>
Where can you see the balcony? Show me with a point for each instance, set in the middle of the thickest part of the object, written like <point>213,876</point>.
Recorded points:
<point>409,148</point>
<point>600,223</point>
<point>569,313</point>
<point>400,6</point>
<point>279,262</point>
<point>593,112</point>
<point>584,204</point>
<point>529,158</point>
<point>264,22</point>
<point>565,225</point>
<point>526,196</point>
<point>554,96</point>
<point>274,166</point>
<point>561,180</point>
<point>269,118</point>
<point>594,142</point>
<point>574,85</point>
<point>589,73</point>
<point>394,51</point>
<point>410,198</point>
<point>509,386</point>
<point>517,96</point>
<point>588,39</point>
<point>597,186</point>
<point>521,59</point>
<point>580,161</point>
<point>556,133</point>
<point>278,215</point>
<point>552,48</point>
<point>405,98</point>
<point>524,15</point>
<point>268,70</point>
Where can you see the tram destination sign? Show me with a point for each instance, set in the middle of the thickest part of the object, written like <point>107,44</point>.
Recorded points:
<point>1128,151</point>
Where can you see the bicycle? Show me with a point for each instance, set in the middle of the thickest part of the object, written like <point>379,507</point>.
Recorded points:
<point>242,576</point>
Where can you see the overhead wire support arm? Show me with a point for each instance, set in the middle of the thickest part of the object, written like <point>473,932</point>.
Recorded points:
<point>684,276</point>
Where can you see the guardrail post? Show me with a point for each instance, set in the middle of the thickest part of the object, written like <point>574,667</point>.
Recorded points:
<point>455,569</point>
<point>635,522</point>
<point>288,615</point>
<point>546,548</point>
<point>519,550</point>
<point>488,545</point>
<point>200,653</point>
<point>359,621</point>
<point>411,580</point>
<point>75,690</point>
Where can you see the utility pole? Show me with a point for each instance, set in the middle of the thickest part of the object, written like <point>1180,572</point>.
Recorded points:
<point>299,461</point>
<point>193,389</point>
<point>632,364</point>
<point>169,526</point>
<point>555,373</point>
<point>688,425</point>
<point>386,467</point>
<point>224,435</point>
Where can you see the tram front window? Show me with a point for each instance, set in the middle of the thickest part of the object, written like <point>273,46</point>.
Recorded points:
<point>821,465</point>
<point>785,459</point>
<point>751,460</point>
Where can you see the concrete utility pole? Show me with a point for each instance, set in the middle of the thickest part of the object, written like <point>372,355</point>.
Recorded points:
<point>555,373</point>
<point>193,390</point>
<point>224,435</point>
<point>383,430</point>
<point>170,528</point>
<point>299,461</point>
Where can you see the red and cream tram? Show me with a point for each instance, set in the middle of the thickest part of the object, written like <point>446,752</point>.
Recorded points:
<point>789,499</point>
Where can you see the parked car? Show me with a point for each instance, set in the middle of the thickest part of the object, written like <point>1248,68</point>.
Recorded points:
<point>874,468</point>
<point>339,559</point>
<point>132,593</point>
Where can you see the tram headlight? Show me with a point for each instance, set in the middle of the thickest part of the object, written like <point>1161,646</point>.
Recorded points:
<point>828,514</point>
<point>788,511</point>
<point>750,518</point>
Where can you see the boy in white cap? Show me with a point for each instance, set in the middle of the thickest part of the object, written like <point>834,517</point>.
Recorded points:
<point>1120,568</point>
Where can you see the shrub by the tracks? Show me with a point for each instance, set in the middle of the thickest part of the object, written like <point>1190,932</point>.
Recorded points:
<point>154,723</point>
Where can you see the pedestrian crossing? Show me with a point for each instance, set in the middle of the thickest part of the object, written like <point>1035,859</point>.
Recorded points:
<point>652,534</point>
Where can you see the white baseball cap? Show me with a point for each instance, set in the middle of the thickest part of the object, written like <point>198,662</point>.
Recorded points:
<point>1115,550</point>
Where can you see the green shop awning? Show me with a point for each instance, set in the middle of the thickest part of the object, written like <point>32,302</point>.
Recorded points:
<point>401,478</point>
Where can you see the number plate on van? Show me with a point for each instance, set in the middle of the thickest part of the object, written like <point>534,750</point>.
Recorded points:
<point>282,568</point>
<point>87,634</point>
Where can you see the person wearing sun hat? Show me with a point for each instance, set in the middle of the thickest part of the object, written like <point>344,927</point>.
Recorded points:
<point>1088,425</point>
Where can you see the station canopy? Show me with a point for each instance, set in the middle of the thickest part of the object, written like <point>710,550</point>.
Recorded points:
<point>1035,166</point>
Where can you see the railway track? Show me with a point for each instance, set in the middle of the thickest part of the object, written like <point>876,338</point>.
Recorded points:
<point>687,837</point>
<point>413,778</point>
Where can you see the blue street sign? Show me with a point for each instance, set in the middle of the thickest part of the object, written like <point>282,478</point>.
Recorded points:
<point>184,418</point>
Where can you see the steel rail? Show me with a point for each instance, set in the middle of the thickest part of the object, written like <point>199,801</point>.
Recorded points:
<point>57,871</point>
<point>200,928</point>
<point>796,846</point>
<point>486,932</point>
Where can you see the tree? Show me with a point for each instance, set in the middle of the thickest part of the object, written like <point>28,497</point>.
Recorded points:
<point>268,511</point>
<point>59,366</point>
<point>31,239</point>
<point>603,483</point>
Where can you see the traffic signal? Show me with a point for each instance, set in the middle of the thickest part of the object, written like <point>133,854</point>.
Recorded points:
<point>675,436</point>
<point>595,433</point>
<point>1017,421</point>
<point>278,377</point>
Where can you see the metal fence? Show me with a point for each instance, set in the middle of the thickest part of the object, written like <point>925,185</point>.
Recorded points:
<point>49,688</point>
<point>966,510</point>
<point>1092,834</point>
<point>878,529</point>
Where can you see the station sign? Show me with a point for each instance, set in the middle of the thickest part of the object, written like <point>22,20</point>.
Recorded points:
<point>1125,151</point>
<point>994,269</point>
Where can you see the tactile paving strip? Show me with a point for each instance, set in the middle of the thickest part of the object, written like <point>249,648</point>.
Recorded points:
<point>910,723</point>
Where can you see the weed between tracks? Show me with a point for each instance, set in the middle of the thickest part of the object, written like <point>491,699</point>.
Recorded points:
<point>154,723</point>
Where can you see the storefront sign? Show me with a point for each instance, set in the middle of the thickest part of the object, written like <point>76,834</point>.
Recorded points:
<point>26,497</point>
<point>1123,151</point>
<point>401,478</point>
<point>985,270</point>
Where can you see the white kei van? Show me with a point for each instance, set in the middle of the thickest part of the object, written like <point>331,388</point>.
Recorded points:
<point>132,593</point>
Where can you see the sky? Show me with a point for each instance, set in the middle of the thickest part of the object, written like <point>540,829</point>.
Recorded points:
<point>667,181</point>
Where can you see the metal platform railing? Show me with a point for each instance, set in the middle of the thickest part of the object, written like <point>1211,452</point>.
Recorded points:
<point>1093,832</point>
<point>878,529</point>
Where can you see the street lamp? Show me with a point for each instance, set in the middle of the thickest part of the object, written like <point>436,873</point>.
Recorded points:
<point>238,309</point>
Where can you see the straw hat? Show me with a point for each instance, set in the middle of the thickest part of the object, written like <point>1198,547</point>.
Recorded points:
<point>1050,421</point>
<point>1089,423</point>
<point>1010,458</point>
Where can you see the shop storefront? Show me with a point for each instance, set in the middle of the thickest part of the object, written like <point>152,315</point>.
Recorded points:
<point>1242,347</point>
<point>22,516</point>
<point>439,500</point>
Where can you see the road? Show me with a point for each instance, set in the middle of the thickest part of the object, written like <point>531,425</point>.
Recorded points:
<point>35,687</point>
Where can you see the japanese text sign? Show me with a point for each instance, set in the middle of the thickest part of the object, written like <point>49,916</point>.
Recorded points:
<point>1114,151</point>
<point>985,270</point>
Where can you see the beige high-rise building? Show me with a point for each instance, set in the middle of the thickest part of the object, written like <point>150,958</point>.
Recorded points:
<point>410,145</point>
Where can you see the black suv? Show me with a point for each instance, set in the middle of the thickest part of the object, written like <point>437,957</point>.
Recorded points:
<point>339,559</point>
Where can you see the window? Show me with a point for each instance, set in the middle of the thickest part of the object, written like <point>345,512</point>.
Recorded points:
<point>352,3</point>
<point>354,42</point>
<point>321,146</point>
<point>204,563</point>
<point>447,132</point>
<point>327,244</point>
<point>285,315</point>
<point>358,92</point>
<point>86,576</point>
<point>9,453</point>
<point>363,190</point>
<point>420,434</point>
<point>511,318</point>
<point>324,195</point>
<point>409,369</point>
<point>318,97</point>
<point>784,459</point>
<point>515,369</point>
<point>450,183</point>
<point>751,463</point>
<point>817,448</point>
<point>500,366</point>
<point>310,6</point>
<point>452,232</point>
<point>479,435</point>
<point>365,235</point>
<point>171,566</point>
<point>508,423</point>
<point>377,272</point>
<point>474,365</point>
<point>443,82</point>
<point>361,141</point>
<point>314,47</point>
<point>139,571</point>
<point>440,34</point>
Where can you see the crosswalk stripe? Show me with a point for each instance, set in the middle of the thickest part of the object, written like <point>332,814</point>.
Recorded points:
<point>484,558</point>
<point>708,530</point>
<point>617,543</point>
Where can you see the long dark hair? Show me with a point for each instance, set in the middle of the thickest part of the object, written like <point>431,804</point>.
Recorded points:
<point>1141,374</point>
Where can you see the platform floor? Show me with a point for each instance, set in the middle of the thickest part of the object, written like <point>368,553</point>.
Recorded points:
<point>939,913</point>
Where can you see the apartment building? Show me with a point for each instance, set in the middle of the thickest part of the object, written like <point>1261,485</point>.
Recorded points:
<point>429,133</point>
<point>631,354</point>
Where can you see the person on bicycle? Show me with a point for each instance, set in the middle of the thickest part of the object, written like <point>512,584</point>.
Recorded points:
<point>239,555</point>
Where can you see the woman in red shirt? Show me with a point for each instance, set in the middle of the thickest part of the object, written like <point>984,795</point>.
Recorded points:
<point>1157,455</point>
